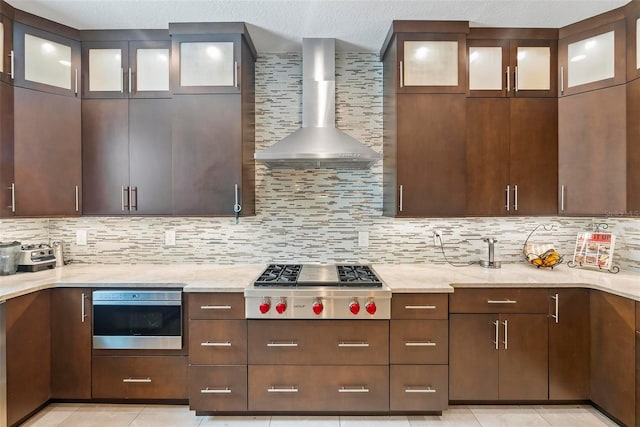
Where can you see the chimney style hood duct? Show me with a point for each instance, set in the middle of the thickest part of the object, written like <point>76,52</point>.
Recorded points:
<point>318,144</point>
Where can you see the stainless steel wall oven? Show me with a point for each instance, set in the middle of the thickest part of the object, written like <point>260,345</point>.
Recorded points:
<point>137,319</point>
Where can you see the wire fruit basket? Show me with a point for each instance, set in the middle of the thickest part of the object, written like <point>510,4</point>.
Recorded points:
<point>541,255</point>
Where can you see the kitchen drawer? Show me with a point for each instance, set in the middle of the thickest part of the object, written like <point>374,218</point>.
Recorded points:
<point>218,342</point>
<point>216,305</point>
<point>318,342</point>
<point>319,388</point>
<point>419,387</point>
<point>153,377</point>
<point>419,342</point>
<point>499,300</point>
<point>218,388</point>
<point>419,306</point>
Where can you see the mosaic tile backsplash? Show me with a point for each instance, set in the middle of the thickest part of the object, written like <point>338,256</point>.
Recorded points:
<point>313,215</point>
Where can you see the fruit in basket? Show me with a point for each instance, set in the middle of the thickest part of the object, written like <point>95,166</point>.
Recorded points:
<point>550,258</point>
<point>542,255</point>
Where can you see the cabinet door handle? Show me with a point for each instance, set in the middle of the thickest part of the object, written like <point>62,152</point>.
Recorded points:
<point>77,199</point>
<point>419,344</point>
<point>130,79</point>
<point>215,344</point>
<point>507,190</point>
<point>360,389</point>
<point>124,198</point>
<point>215,307</point>
<point>556,297</point>
<point>508,79</point>
<point>12,188</point>
<point>132,199</point>
<point>353,344</point>
<point>401,75</point>
<point>503,301</point>
<point>562,198</point>
<point>12,67</point>
<point>497,325</point>
<point>506,334</point>
<point>235,74</point>
<point>562,80</point>
<point>282,344</point>
<point>208,390</point>
<point>515,78</point>
<point>291,389</point>
<point>136,380</point>
<point>76,82</point>
<point>83,313</point>
<point>420,390</point>
<point>401,191</point>
<point>420,307</point>
<point>515,197</point>
<point>121,80</point>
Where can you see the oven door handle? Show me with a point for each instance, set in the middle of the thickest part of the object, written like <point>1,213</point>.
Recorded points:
<point>138,303</point>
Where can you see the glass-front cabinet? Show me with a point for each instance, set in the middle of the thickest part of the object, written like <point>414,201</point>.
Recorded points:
<point>514,68</point>
<point>121,69</point>
<point>6,49</point>
<point>46,62</point>
<point>590,60</point>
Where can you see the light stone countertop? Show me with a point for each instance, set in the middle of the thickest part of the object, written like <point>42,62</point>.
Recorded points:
<point>401,278</point>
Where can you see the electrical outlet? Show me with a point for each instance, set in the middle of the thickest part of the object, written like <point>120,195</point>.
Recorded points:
<point>363,239</point>
<point>437,237</point>
<point>81,237</point>
<point>170,237</point>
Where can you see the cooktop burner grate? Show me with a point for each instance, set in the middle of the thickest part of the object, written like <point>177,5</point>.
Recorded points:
<point>357,275</point>
<point>279,275</point>
<point>298,275</point>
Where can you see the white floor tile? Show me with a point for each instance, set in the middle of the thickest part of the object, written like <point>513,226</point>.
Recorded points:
<point>173,409</point>
<point>508,416</point>
<point>453,417</point>
<point>374,421</point>
<point>120,408</point>
<point>167,419</point>
<point>284,421</point>
<point>52,415</point>
<point>99,419</point>
<point>228,421</point>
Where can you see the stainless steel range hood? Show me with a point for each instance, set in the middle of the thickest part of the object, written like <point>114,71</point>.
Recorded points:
<point>318,144</point>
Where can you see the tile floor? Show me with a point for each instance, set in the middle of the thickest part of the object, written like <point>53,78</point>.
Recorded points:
<point>88,415</point>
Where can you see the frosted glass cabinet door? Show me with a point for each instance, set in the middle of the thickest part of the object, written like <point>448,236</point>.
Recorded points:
<point>207,64</point>
<point>106,70</point>
<point>47,62</point>
<point>591,60</point>
<point>152,70</point>
<point>430,63</point>
<point>485,68</point>
<point>533,68</point>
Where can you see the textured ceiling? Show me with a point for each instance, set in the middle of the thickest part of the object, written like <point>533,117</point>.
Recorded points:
<point>280,25</point>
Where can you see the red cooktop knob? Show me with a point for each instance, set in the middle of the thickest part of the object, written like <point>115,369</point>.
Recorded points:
<point>354,307</point>
<point>371,307</point>
<point>317,307</point>
<point>265,307</point>
<point>281,307</point>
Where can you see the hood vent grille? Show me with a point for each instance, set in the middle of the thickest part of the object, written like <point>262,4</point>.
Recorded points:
<point>318,144</point>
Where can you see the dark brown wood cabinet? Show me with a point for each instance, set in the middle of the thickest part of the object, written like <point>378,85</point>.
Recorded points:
<point>6,21</point>
<point>633,148</point>
<point>498,345</point>
<point>217,352</point>
<point>569,344</point>
<point>592,141</point>
<point>7,182</point>
<point>71,343</point>
<point>28,354</point>
<point>613,357</point>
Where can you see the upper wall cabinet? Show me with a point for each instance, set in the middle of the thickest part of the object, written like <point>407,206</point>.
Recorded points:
<point>206,59</point>
<point>632,13</point>
<point>6,48</point>
<point>512,62</point>
<point>592,54</point>
<point>431,56</point>
<point>126,68</point>
<point>45,61</point>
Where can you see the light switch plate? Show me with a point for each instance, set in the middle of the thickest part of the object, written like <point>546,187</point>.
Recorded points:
<point>170,237</point>
<point>363,239</point>
<point>81,237</point>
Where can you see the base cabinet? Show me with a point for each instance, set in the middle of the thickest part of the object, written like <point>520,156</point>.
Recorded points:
<point>418,387</point>
<point>218,388</point>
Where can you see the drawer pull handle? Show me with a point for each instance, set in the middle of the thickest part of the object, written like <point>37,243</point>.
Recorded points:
<point>419,344</point>
<point>353,344</point>
<point>282,344</point>
<point>215,307</point>
<point>292,389</point>
<point>502,301</point>
<point>361,389</point>
<point>208,390</point>
<point>215,344</point>
<point>420,390</point>
<point>136,380</point>
<point>420,307</point>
